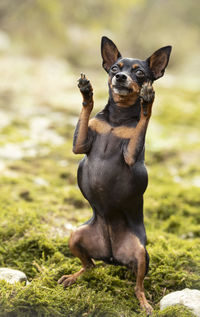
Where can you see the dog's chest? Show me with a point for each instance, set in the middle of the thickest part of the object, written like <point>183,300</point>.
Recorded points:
<point>109,140</point>
<point>107,145</point>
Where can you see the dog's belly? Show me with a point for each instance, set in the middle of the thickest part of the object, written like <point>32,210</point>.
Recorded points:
<point>106,180</point>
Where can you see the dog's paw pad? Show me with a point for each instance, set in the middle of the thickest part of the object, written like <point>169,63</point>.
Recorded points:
<point>147,93</point>
<point>84,85</point>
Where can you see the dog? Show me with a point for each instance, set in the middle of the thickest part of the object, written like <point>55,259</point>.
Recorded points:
<point>112,175</point>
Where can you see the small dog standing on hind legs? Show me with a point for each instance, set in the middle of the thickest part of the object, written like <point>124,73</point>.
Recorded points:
<point>112,175</point>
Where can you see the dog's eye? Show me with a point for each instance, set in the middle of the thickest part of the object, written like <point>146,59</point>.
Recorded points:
<point>139,73</point>
<point>114,69</point>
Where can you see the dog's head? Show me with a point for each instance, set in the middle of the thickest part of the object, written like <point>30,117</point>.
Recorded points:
<point>126,75</point>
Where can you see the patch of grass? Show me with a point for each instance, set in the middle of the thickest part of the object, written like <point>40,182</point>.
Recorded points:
<point>175,311</point>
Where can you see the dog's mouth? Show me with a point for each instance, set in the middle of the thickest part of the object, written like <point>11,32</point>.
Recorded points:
<point>122,90</point>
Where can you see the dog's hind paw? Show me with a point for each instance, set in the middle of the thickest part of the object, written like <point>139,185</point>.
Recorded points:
<point>67,280</point>
<point>148,309</point>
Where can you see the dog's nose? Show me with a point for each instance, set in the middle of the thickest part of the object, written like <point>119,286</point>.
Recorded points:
<point>121,77</point>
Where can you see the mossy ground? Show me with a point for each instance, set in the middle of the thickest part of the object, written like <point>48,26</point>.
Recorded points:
<point>40,202</point>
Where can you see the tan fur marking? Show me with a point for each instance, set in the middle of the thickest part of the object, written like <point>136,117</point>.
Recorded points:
<point>140,129</point>
<point>123,132</point>
<point>120,64</point>
<point>103,127</point>
<point>83,128</point>
<point>125,101</point>
<point>129,154</point>
<point>135,66</point>
<point>99,126</point>
<point>87,262</point>
<point>130,99</point>
<point>110,82</point>
<point>128,246</point>
<point>128,249</point>
<point>139,288</point>
<point>136,87</point>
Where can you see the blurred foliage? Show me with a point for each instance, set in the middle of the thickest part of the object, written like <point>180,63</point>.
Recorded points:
<point>72,29</point>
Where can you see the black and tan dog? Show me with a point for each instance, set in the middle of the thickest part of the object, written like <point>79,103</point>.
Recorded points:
<point>112,175</point>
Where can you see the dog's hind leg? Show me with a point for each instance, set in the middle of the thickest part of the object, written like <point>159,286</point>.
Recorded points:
<point>87,242</point>
<point>77,249</point>
<point>129,251</point>
<point>140,274</point>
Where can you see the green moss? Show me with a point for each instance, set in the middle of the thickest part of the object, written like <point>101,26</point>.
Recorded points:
<point>175,311</point>
<point>179,108</point>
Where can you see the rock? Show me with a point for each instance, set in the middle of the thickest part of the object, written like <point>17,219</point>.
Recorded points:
<point>12,276</point>
<point>4,41</point>
<point>41,182</point>
<point>25,194</point>
<point>187,297</point>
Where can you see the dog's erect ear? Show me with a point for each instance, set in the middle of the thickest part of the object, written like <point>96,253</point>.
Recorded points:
<point>109,53</point>
<point>158,61</point>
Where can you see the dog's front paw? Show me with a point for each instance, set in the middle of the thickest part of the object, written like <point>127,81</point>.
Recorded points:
<point>85,87</point>
<point>147,93</point>
<point>147,97</point>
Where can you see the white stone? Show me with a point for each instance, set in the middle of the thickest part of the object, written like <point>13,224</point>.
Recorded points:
<point>41,132</point>
<point>4,41</point>
<point>41,182</point>
<point>69,226</point>
<point>187,297</point>
<point>12,276</point>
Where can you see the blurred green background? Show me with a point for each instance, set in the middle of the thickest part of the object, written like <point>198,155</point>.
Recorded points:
<point>44,46</point>
<point>72,29</point>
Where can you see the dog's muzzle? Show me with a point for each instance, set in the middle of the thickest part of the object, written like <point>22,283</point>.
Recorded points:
<point>121,84</point>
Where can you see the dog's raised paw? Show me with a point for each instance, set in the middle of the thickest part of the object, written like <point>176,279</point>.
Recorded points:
<point>147,92</point>
<point>85,86</point>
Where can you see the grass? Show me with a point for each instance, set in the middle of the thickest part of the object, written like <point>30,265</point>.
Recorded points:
<point>40,203</point>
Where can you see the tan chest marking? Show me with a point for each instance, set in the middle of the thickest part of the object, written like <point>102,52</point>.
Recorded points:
<point>103,127</point>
